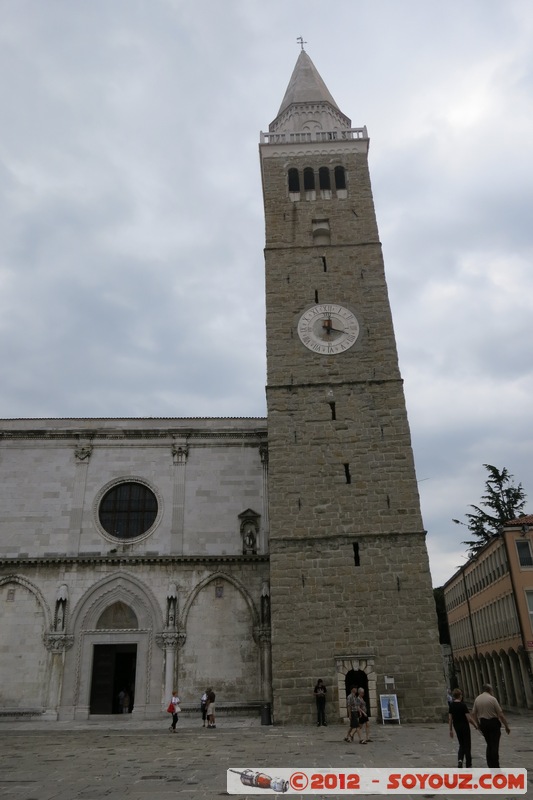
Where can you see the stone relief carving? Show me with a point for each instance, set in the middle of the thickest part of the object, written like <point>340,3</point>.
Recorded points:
<point>83,452</point>
<point>58,642</point>
<point>180,453</point>
<point>170,639</point>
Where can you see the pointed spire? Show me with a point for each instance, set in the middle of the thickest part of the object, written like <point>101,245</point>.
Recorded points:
<point>306,88</point>
<point>306,85</point>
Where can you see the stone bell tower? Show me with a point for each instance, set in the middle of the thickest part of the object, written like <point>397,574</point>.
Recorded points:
<point>351,596</point>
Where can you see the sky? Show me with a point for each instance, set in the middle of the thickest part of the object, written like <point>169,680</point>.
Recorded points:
<point>132,230</point>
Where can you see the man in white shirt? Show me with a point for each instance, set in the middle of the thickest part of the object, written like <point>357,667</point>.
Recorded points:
<point>488,715</point>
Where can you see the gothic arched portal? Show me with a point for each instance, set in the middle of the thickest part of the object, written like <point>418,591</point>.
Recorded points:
<point>114,626</point>
<point>220,649</point>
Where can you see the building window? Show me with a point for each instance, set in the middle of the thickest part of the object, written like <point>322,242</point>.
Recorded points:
<point>309,179</point>
<point>524,553</point>
<point>324,179</point>
<point>128,510</point>
<point>340,178</point>
<point>294,181</point>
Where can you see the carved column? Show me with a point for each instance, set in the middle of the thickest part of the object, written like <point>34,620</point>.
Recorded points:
<point>180,452</point>
<point>170,641</point>
<point>82,454</point>
<point>57,644</point>
<point>262,636</point>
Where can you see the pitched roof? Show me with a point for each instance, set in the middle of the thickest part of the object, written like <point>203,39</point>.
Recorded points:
<point>306,85</point>
<point>527,519</point>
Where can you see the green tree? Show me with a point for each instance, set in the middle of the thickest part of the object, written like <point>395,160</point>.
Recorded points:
<point>501,502</point>
<point>442,617</point>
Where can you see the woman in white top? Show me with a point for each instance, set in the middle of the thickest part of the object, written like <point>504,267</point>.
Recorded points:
<point>175,701</point>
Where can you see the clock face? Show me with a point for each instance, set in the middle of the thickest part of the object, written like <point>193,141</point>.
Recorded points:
<point>328,329</point>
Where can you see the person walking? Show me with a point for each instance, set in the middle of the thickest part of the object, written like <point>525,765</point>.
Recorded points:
<point>320,697</point>
<point>203,707</point>
<point>488,716</point>
<point>175,701</point>
<point>353,716</point>
<point>460,720</point>
<point>210,708</point>
<point>363,714</point>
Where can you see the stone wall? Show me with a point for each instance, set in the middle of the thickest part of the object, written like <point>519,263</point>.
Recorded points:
<point>324,606</point>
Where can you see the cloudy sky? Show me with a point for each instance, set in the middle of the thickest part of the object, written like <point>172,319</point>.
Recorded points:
<point>131,221</point>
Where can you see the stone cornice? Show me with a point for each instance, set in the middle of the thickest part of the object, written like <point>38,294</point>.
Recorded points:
<point>166,437</point>
<point>125,561</point>
<point>343,538</point>
<point>337,382</point>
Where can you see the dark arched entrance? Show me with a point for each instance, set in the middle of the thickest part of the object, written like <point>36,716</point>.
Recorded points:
<point>114,667</point>
<point>359,679</point>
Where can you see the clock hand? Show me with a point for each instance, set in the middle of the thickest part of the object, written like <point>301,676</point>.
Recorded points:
<point>328,327</point>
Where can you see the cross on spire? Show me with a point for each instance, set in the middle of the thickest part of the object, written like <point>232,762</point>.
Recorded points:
<point>301,42</point>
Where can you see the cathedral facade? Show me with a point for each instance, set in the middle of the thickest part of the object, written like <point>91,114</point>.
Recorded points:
<point>253,555</point>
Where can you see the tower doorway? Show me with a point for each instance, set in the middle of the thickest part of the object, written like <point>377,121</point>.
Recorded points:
<point>114,668</point>
<point>359,679</point>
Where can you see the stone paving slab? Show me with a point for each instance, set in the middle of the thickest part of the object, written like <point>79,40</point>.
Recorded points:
<point>138,760</point>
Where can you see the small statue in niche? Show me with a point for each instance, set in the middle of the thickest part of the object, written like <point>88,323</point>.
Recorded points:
<point>172,604</point>
<point>265,604</point>
<point>249,538</point>
<point>61,607</point>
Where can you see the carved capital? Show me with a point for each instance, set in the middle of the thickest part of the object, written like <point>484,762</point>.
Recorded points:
<point>180,453</point>
<point>170,640</point>
<point>83,453</point>
<point>58,642</point>
<point>262,635</point>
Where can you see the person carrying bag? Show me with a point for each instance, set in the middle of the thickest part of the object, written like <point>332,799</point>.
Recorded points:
<point>174,709</point>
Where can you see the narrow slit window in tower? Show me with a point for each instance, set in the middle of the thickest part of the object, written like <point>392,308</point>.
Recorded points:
<point>347,473</point>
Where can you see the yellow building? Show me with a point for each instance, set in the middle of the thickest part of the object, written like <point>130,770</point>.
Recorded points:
<point>489,602</point>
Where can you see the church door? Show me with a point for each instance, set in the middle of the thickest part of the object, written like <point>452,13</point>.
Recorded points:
<point>114,667</point>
